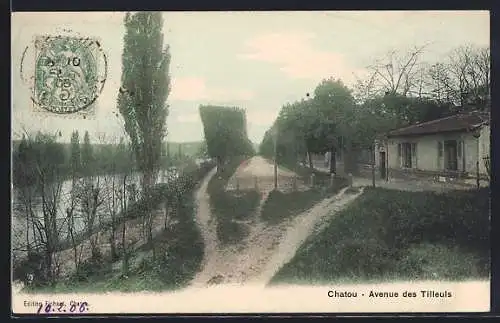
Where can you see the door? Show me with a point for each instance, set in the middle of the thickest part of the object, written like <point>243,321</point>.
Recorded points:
<point>451,155</point>
<point>382,160</point>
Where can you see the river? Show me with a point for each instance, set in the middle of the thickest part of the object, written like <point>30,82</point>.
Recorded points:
<point>18,226</point>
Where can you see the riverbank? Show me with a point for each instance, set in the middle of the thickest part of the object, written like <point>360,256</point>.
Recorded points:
<point>167,263</point>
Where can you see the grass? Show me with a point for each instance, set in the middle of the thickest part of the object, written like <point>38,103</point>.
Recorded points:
<point>230,206</point>
<point>280,206</point>
<point>393,235</point>
<point>179,252</point>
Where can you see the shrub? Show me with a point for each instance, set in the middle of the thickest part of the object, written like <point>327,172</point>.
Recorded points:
<point>280,206</point>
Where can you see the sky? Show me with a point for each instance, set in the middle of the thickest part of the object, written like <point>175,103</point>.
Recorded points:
<point>255,60</point>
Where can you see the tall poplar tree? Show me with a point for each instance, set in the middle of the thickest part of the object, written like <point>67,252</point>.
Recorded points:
<point>144,91</point>
<point>75,156</point>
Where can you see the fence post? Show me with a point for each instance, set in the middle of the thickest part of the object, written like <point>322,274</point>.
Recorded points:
<point>332,175</point>
<point>256,184</point>
<point>349,180</point>
<point>312,179</point>
<point>294,183</point>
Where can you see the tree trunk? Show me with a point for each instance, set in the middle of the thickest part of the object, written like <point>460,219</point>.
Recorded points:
<point>112,245</point>
<point>48,266</point>
<point>124,250</point>
<point>333,162</point>
<point>28,247</point>
<point>114,254</point>
<point>150,235</point>
<point>166,216</point>
<point>309,156</point>
<point>220,165</point>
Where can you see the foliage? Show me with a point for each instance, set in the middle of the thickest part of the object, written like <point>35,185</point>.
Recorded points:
<point>75,154</point>
<point>390,234</point>
<point>225,132</point>
<point>145,88</point>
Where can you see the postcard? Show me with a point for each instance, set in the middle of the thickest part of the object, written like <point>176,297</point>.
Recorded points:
<point>250,162</point>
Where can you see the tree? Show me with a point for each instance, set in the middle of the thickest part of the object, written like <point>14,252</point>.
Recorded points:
<point>145,88</point>
<point>124,195</point>
<point>463,79</point>
<point>75,166</point>
<point>225,133</point>
<point>336,118</point>
<point>48,160</point>
<point>24,179</point>
<point>75,155</point>
<point>87,156</point>
<point>397,73</point>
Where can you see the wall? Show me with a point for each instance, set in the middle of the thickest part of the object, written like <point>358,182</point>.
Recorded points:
<point>484,147</point>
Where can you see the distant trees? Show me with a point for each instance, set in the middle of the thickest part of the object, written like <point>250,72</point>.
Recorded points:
<point>225,132</point>
<point>463,79</point>
<point>145,88</point>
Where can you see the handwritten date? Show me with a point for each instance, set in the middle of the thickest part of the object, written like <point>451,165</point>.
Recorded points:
<point>62,307</point>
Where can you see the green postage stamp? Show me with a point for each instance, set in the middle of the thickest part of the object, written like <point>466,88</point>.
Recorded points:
<point>69,73</point>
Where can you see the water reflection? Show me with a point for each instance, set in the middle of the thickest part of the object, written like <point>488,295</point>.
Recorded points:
<point>105,183</point>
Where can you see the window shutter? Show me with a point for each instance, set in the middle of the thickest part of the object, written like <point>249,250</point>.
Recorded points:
<point>414,155</point>
<point>400,159</point>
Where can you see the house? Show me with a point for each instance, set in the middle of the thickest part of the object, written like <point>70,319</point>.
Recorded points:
<point>455,147</point>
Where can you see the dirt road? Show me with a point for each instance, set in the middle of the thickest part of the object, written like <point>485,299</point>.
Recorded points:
<point>267,247</point>
<point>259,172</point>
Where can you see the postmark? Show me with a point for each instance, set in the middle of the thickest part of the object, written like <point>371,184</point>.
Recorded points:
<point>66,74</point>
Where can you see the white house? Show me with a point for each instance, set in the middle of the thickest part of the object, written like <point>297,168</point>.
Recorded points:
<point>453,147</point>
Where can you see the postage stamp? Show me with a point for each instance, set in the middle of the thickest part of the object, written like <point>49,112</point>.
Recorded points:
<point>69,73</point>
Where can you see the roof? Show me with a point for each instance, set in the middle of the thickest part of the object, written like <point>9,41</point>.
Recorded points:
<point>454,123</point>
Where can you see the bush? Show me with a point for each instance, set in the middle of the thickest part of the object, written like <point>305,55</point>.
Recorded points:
<point>280,206</point>
<point>32,265</point>
<point>90,269</point>
<point>387,233</point>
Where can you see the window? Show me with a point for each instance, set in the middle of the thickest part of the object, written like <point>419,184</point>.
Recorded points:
<point>407,153</point>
